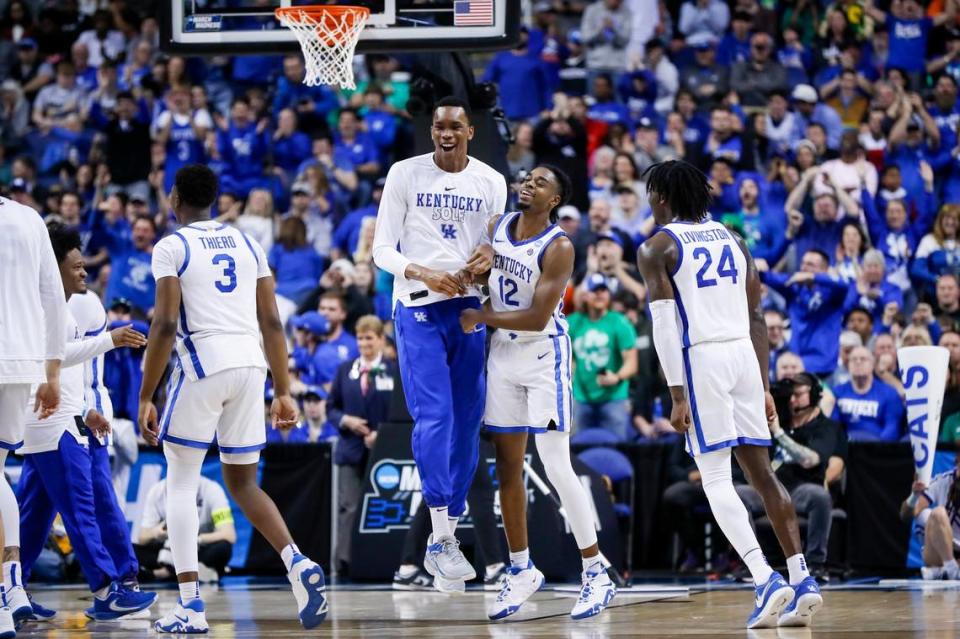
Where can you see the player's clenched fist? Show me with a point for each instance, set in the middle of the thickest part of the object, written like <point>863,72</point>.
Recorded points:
<point>680,415</point>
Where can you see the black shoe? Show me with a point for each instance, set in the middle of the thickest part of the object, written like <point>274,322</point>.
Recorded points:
<point>820,573</point>
<point>492,582</point>
<point>418,580</point>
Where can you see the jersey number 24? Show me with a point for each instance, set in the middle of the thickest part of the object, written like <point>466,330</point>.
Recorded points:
<point>726,267</point>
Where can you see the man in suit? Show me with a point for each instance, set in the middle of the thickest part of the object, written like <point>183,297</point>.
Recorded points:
<point>359,401</point>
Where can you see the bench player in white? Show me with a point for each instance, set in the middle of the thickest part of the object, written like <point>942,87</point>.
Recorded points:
<point>528,385</point>
<point>936,509</point>
<point>711,339</point>
<point>215,296</point>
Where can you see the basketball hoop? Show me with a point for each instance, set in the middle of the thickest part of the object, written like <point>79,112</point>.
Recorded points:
<point>328,36</point>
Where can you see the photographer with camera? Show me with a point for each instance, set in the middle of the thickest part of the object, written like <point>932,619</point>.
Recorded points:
<point>809,456</point>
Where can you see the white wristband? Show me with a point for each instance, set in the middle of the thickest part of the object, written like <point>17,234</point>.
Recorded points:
<point>666,340</point>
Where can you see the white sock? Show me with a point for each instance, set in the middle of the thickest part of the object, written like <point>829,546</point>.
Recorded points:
<point>520,559</point>
<point>452,524</point>
<point>440,522</point>
<point>950,564</point>
<point>102,593</point>
<point>591,562</point>
<point>183,522</point>
<point>407,569</point>
<point>730,513</point>
<point>493,569</point>
<point>554,450</point>
<point>797,566</point>
<point>12,575</point>
<point>287,554</point>
<point>189,590</point>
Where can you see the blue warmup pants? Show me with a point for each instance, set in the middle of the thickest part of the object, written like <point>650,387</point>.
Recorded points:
<point>60,481</point>
<point>442,369</point>
<point>110,518</point>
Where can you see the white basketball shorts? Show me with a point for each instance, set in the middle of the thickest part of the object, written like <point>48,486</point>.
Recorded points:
<point>726,396</point>
<point>13,397</point>
<point>227,404</point>
<point>528,384</point>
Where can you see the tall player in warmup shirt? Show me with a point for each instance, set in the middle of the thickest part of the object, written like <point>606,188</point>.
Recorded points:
<point>32,313</point>
<point>215,296</point>
<point>56,475</point>
<point>711,339</point>
<point>528,385</point>
<point>436,208</point>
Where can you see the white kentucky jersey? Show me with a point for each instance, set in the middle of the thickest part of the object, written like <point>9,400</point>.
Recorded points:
<point>44,435</point>
<point>435,219</point>
<point>88,311</point>
<point>516,271</point>
<point>218,267</point>
<point>710,283</point>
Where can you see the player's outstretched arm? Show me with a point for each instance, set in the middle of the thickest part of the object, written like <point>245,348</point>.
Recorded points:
<point>163,332</point>
<point>557,268</point>
<point>284,411</point>
<point>656,259</point>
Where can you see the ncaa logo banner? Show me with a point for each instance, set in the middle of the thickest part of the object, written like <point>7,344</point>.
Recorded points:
<point>923,371</point>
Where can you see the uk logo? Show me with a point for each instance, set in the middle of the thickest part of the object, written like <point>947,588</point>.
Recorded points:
<point>420,316</point>
<point>449,231</point>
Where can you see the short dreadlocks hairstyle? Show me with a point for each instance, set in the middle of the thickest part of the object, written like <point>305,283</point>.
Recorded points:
<point>684,186</point>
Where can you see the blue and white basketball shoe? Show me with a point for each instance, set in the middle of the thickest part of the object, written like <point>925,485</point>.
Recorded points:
<point>19,604</point>
<point>517,586</point>
<point>445,559</point>
<point>806,601</point>
<point>596,593</point>
<point>121,602</point>
<point>184,619</point>
<point>40,613</point>
<point>309,588</point>
<point>772,598</point>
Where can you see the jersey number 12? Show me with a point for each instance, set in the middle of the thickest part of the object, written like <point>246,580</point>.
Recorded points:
<point>727,267</point>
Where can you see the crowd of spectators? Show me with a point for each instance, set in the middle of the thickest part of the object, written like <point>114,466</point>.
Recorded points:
<point>828,131</point>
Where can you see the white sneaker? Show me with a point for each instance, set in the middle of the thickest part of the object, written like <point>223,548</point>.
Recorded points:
<point>19,604</point>
<point>7,628</point>
<point>309,586</point>
<point>186,619</point>
<point>449,586</point>
<point>444,559</point>
<point>517,586</point>
<point>952,573</point>
<point>596,593</point>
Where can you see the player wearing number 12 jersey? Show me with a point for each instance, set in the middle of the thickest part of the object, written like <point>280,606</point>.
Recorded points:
<point>215,295</point>
<point>711,339</point>
<point>528,385</point>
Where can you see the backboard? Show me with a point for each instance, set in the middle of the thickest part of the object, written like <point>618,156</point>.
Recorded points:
<point>216,27</point>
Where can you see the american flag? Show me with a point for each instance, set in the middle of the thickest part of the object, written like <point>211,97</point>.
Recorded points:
<point>472,13</point>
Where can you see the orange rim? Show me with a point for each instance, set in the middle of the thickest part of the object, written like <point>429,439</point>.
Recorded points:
<point>320,12</point>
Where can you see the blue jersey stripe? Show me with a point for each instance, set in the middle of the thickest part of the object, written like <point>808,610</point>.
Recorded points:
<point>191,443</point>
<point>171,403</point>
<point>543,249</point>
<point>556,367</point>
<point>676,269</point>
<point>242,449</point>
<point>96,331</point>
<point>95,385</point>
<point>250,246</point>
<point>693,401</point>
<point>186,257</point>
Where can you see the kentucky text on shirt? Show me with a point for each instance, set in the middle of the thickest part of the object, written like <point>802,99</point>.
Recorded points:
<point>859,407</point>
<point>512,266</point>
<point>449,206</point>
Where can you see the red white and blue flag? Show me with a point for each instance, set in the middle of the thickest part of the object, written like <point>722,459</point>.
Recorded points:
<point>473,13</point>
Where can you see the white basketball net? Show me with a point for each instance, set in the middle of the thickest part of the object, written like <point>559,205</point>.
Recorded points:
<point>328,44</point>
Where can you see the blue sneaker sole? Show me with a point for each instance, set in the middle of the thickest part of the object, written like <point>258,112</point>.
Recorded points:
<point>769,616</point>
<point>178,631</point>
<point>597,609</point>
<point>316,610</point>
<point>503,614</point>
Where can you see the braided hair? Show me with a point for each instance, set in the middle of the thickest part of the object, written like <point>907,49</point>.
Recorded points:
<point>684,187</point>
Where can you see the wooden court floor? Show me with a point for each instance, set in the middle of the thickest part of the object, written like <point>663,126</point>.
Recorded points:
<point>237,612</point>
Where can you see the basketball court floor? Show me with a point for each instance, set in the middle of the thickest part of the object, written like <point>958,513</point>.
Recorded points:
<point>239,609</point>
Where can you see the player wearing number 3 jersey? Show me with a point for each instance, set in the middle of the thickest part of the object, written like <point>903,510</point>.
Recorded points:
<point>711,339</point>
<point>215,295</point>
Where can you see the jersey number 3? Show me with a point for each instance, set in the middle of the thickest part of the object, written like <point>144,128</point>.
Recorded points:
<point>229,273</point>
<point>727,267</point>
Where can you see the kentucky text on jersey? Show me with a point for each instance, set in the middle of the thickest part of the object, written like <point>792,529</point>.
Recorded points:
<point>449,206</point>
<point>512,266</point>
<point>218,242</point>
<point>707,235</point>
<point>859,407</point>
